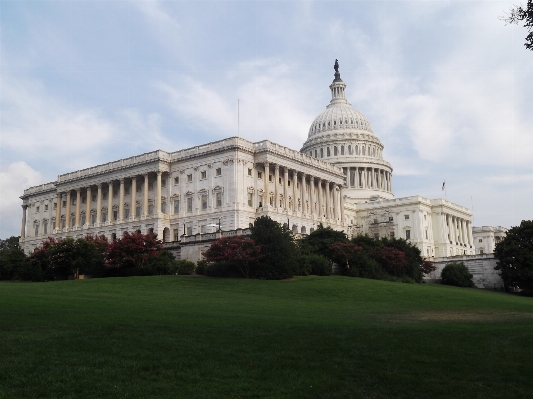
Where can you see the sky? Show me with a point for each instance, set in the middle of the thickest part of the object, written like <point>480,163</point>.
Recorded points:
<point>446,85</point>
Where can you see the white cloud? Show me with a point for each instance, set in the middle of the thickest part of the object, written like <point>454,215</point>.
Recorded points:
<point>14,178</point>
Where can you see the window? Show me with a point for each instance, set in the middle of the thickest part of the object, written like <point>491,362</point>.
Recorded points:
<point>406,217</point>
<point>391,218</point>
<point>163,183</point>
<point>176,207</point>
<point>189,178</point>
<point>316,154</point>
<point>328,152</point>
<point>335,152</point>
<point>62,223</point>
<point>189,230</point>
<point>375,221</point>
<point>218,172</point>
<point>115,215</point>
<point>55,206</point>
<point>82,222</point>
<point>391,234</point>
<point>138,188</point>
<point>64,204</point>
<point>259,175</point>
<point>189,205</point>
<point>376,236</point>
<point>163,207</point>
<point>204,201</point>
<point>83,200</point>
<point>36,230</point>
<point>280,182</point>
<point>342,150</point>
<point>176,234</point>
<point>424,217</point>
<point>93,218</point>
<point>151,186</point>
<point>250,199</point>
<point>249,171</point>
<point>480,240</point>
<point>72,221</point>
<point>270,178</point>
<point>481,251</point>
<point>127,190</point>
<point>151,209</point>
<point>176,180</point>
<point>203,229</point>
<point>407,234</point>
<point>271,201</point>
<point>203,174</point>
<point>321,153</point>
<point>126,213</point>
<point>73,201</point>
<point>288,183</point>
<point>37,209</point>
<point>104,196</point>
<point>426,234</point>
<point>45,227</point>
<point>46,207</point>
<point>138,211</point>
<point>218,197</point>
<point>115,193</point>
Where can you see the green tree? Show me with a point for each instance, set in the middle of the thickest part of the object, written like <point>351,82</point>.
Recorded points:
<point>519,14</point>
<point>457,274</point>
<point>14,264</point>
<point>320,241</point>
<point>279,253</point>
<point>515,257</point>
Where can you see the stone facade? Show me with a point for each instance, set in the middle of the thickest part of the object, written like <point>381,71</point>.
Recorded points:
<point>486,238</point>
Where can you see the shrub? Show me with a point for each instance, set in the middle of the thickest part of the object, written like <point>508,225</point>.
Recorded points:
<point>457,274</point>
<point>223,269</point>
<point>241,251</point>
<point>313,264</point>
<point>133,251</point>
<point>164,263</point>
<point>361,265</point>
<point>201,267</point>
<point>185,267</point>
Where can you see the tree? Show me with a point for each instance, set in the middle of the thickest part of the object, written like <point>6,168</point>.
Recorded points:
<point>278,249</point>
<point>515,257</point>
<point>457,274</point>
<point>14,263</point>
<point>342,252</point>
<point>392,260</point>
<point>59,259</point>
<point>427,267</point>
<point>413,267</point>
<point>133,251</point>
<point>519,14</point>
<point>320,240</point>
<point>242,251</point>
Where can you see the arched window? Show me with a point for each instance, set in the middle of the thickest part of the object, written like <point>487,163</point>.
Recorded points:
<point>350,149</point>
<point>342,150</point>
<point>328,152</point>
<point>364,150</point>
<point>315,154</point>
<point>335,151</point>
<point>321,153</point>
<point>303,230</point>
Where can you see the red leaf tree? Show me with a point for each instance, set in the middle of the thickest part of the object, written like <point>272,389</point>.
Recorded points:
<point>392,260</point>
<point>133,250</point>
<point>242,251</point>
<point>342,252</point>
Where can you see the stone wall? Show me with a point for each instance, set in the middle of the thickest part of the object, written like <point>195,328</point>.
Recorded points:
<point>481,267</point>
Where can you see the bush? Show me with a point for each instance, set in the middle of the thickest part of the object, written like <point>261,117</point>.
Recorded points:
<point>162,264</point>
<point>185,267</point>
<point>201,267</point>
<point>362,265</point>
<point>223,269</point>
<point>457,274</point>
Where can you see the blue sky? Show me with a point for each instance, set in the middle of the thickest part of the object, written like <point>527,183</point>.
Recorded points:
<point>447,87</point>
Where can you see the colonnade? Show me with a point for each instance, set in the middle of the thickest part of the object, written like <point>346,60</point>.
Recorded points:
<point>369,177</point>
<point>457,230</point>
<point>79,192</point>
<point>308,194</point>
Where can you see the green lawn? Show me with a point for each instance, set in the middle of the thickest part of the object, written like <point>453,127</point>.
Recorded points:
<point>311,337</point>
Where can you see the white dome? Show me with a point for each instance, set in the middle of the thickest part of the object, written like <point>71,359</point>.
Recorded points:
<point>339,117</point>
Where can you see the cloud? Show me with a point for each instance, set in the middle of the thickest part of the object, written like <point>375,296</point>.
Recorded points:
<point>14,178</point>
<point>272,102</point>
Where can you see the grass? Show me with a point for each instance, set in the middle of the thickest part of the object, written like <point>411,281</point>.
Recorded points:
<point>311,337</point>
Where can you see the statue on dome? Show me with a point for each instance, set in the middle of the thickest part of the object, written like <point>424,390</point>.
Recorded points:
<point>337,73</point>
<point>336,66</point>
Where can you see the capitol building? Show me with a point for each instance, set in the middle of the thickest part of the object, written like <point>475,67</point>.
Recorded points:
<point>339,179</point>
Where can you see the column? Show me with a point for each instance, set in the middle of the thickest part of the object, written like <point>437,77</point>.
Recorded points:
<point>380,180</point>
<point>348,176</point>
<point>133,204</point>
<point>145,200</point>
<point>158,193</point>
<point>58,211</point>
<point>320,208</point>
<point>276,186</point>
<point>110,201</point>
<point>99,205</point>
<point>342,205</point>
<point>390,175</point>
<point>266,194</point>
<point>78,201</point>
<point>336,202</point>
<point>121,201</point>
<point>471,238</point>
<point>452,230</point>
<point>67,216</point>
<point>286,188</point>
<point>23,227</point>
<point>88,206</point>
<point>294,190</point>
<point>328,200</point>
<point>356,178</point>
<point>463,231</point>
<point>312,193</point>
<point>302,192</point>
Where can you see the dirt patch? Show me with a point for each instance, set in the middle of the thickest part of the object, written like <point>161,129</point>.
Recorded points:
<point>458,316</point>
